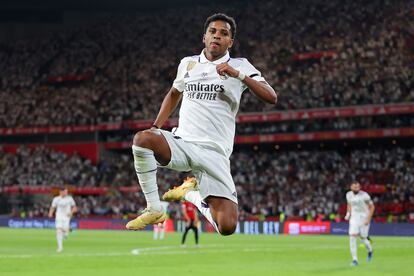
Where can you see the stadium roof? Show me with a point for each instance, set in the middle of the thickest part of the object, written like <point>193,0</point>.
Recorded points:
<point>98,4</point>
<point>49,11</point>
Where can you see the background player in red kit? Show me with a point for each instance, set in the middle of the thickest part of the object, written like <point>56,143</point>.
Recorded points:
<point>191,217</point>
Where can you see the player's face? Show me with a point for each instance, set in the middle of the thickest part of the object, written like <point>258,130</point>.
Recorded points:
<point>64,192</point>
<point>355,187</point>
<point>217,38</point>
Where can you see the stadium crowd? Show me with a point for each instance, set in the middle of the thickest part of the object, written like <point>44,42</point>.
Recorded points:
<point>338,124</point>
<point>300,126</point>
<point>296,183</point>
<point>119,69</point>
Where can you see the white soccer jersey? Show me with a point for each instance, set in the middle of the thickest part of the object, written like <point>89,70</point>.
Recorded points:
<point>63,206</point>
<point>359,204</point>
<point>210,101</point>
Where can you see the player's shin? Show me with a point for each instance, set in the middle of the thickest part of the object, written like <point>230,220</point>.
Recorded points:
<point>367,243</point>
<point>185,235</point>
<point>59,238</point>
<point>155,236</point>
<point>353,247</point>
<point>195,198</point>
<point>195,229</point>
<point>162,233</point>
<point>146,169</point>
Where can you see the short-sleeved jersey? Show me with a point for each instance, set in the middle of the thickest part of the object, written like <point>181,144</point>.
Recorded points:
<point>210,101</point>
<point>359,203</point>
<point>63,206</point>
<point>189,209</point>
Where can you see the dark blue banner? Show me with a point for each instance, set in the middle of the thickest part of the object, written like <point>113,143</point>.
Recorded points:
<point>258,227</point>
<point>33,223</point>
<point>377,229</point>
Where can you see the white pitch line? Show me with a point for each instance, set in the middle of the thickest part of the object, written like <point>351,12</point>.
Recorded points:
<point>25,256</point>
<point>138,251</point>
<point>16,256</point>
<point>158,250</point>
<point>169,250</point>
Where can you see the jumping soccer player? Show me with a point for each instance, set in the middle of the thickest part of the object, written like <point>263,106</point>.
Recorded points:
<point>359,213</point>
<point>191,218</point>
<point>210,85</point>
<point>65,207</point>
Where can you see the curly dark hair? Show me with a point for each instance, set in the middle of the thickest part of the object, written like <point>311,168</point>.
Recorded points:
<point>222,17</point>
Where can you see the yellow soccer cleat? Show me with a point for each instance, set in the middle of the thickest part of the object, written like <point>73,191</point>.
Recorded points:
<point>178,193</point>
<point>147,217</point>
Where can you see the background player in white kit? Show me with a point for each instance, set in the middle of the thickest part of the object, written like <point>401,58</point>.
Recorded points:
<point>210,85</point>
<point>159,229</point>
<point>360,209</point>
<point>65,207</point>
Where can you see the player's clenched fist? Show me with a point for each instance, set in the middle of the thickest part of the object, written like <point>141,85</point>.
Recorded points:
<point>347,216</point>
<point>226,69</point>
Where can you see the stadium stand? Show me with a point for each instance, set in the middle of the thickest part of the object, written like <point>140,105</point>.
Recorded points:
<point>306,184</point>
<point>359,54</point>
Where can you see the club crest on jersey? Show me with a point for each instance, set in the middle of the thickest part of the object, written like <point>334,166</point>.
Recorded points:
<point>190,65</point>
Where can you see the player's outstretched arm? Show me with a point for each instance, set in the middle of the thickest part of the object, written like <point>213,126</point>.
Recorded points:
<point>73,210</point>
<point>262,90</point>
<point>348,212</point>
<point>371,207</point>
<point>197,219</point>
<point>169,104</point>
<point>51,211</point>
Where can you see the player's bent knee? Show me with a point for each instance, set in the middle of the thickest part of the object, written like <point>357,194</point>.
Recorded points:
<point>227,227</point>
<point>143,139</point>
<point>227,230</point>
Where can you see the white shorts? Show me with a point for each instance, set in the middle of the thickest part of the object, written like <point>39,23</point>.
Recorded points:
<point>358,228</point>
<point>62,223</point>
<point>211,168</point>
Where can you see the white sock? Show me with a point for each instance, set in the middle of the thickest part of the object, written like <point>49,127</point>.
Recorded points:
<point>162,233</point>
<point>156,232</point>
<point>195,198</point>
<point>367,243</point>
<point>353,247</point>
<point>146,169</point>
<point>59,238</point>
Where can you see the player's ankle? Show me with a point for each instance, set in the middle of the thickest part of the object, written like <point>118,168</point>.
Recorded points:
<point>155,206</point>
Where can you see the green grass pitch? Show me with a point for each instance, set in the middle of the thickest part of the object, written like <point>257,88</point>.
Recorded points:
<point>97,253</point>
